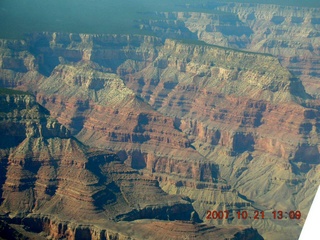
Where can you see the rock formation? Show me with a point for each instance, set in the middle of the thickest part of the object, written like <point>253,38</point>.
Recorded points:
<point>228,129</point>
<point>52,183</point>
<point>290,33</point>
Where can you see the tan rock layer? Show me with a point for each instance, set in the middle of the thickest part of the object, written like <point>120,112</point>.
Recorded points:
<point>239,110</point>
<point>51,173</point>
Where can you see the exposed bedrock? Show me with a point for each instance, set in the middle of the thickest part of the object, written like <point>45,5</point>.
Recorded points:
<point>290,33</point>
<point>46,226</point>
<point>45,170</point>
<point>189,117</point>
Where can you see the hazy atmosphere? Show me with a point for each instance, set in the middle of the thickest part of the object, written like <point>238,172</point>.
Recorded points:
<point>97,16</point>
<point>158,120</point>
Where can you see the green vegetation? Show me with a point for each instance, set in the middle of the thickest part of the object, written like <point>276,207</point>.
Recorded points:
<point>194,42</point>
<point>202,43</point>
<point>13,92</point>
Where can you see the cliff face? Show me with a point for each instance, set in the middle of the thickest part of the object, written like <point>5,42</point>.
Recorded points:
<point>58,229</point>
<point>44,164</point>
<point>54,185</point>
<point>242,111</point>
<point>227,98</point>
<point>51,182</point>
<point>229,129</point>
<point>82,93</point>
<point>290,33</point>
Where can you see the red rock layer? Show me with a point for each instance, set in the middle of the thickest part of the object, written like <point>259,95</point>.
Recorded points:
<point>241,111</point>
<point>46,171</point>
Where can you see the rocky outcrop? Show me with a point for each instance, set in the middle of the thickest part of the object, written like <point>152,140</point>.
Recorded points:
<point>166,28</point>
<point>84,95</point>
<point>290,33</point>
<point>203,121</point>
<point>213,98</point>
<point>46,171</point>
<point>47,227</point>
<point>287,32</point>
<point>242,116</point>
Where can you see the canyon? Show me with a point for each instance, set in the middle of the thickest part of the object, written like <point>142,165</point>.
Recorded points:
<point>114,136</point>
<point>288,32</point>
<point>54,185</point>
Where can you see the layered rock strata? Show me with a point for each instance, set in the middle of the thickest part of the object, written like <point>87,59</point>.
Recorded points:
<point>46,172</point>
<point>290,33</point>
<point>202,120</point>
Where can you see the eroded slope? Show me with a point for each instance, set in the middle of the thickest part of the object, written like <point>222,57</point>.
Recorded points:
<point>290,33</point>
<point>231,130</point>
<point>53,183</point>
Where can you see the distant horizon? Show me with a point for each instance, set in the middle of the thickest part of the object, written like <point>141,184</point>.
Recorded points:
<point>96,16</point>
<point>153,119</point>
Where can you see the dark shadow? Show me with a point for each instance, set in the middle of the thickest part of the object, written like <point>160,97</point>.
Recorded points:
<point>3,176</point>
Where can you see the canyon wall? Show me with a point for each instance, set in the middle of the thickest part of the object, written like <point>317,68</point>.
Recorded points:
<point>228,129</point>
<point>290,33</point>
<point>52,183</point>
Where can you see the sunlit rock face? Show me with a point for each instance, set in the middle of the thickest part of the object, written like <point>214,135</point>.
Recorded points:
<point>52,183</point>
<point>229,129</point>
<point>290,33</point>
